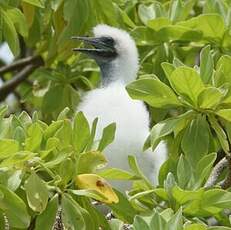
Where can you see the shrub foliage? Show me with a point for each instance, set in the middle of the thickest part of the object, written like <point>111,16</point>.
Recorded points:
<point>48,153</point>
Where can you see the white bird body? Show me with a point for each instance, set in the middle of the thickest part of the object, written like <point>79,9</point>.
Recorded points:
<point>111,103</point>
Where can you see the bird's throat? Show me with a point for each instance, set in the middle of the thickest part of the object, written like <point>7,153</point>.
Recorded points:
<point>107,73</point>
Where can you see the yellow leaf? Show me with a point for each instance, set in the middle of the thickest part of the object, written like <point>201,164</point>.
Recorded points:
<point>97,183</point>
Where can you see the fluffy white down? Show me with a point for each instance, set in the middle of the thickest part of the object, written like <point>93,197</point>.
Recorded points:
<point>126,65</point>
<point>113,104</point>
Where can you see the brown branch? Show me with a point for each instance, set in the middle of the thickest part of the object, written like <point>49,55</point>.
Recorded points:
<point>9,86</point>
<point>216,172</point>
<point>19,64</point>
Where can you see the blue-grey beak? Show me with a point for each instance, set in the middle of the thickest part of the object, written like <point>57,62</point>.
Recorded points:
<point>103,47</point>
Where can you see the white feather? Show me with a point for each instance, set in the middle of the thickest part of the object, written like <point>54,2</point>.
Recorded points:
<point>113,104</point>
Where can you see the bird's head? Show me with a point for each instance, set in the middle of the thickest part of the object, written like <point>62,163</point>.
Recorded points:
<point>114,51</point>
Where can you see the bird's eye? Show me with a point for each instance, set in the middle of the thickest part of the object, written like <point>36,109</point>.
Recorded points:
<point>108,40</point>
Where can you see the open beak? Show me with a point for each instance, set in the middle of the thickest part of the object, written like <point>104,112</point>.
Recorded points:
<point>100,47</point>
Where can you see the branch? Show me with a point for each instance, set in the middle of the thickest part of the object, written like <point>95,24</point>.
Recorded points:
<point>216,172</point>
<point>20,64</point>
<point>226,183</point>
<point>10,85</point>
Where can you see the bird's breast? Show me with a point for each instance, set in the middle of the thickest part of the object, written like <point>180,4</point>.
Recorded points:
<point>112,104</point>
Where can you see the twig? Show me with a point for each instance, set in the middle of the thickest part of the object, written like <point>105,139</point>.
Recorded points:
<point>58,225</point>
<point>216,172</point>
<point>226,183</point>
<point>9,86</point>
<point>6,222</point>
<point>19,64</point>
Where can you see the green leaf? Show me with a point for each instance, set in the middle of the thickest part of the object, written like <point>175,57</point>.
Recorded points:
<point>66,170</point>
<point>215,200</point>
<point>140,223</point>
<point>166,127</point>
<point>63,114</point>
<point>17,159</point>
<point>71,214</point>
<point>154,92</point>
<point>107,137</point>
<point>175,9</point>
<point>178,33</point>
<point>209,98</point>
<point>146,13</point>
<point>167,214</point>
<point>18,19</point>
<point>14,180</point>
<point>93,131</point>
<point>184,196</point>
<point>116,174</point>
<point>29,13</point>
<point>90,161</point>
<point>34,139</point>
<point>116,224</point>
<point>73,10</point>
<point>37,193</point>
<point>157,222</point>
<point>52,129</point>
<point>203,169</point>
<point>158,23</point>
<point>211,25</point>
<point>126,18</point>
<point>81,132</point>
<point>223,70</point>
<point>141,194</point>
<point>221,135</point>
<point>46,220</point>
<point>224,113</point>
<point>14,208</point>
<point>123,210</point>
<point>206,65</point>
<point>168,68</point>
<point>106,11</point>
<point>183,172</point>
<point>19,134</point>
<point>145,36</point>
<point>9,32</point>
<point>133,164</point>
<point>187,83</point>
<point>176,221</point>
<point>161,192</point>
<point>195,141</point>
<point>195,227</point>
<point>8,147</point>
<point>52,99</point>
<point>64,134</point>
<point>219,228</point>
<point>38,3</point>
<point>89,193</point>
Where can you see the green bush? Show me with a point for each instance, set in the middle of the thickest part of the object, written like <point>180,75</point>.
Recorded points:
<point>48,150</point>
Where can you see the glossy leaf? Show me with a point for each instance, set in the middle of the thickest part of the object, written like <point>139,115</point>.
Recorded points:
<point>14,208</point>
<point>81,132</point>
<point>187,83</point>
<point>195,141</point>
<point>47,218</point>
<point>37,193</point>
<point>107,136</point>
<point>206,65</point>
<point>154,92</point>
<point>209,98</point>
